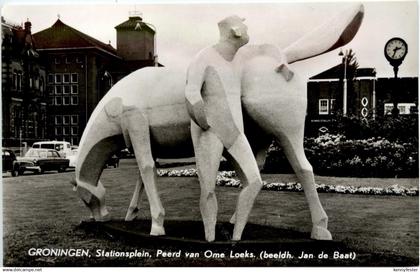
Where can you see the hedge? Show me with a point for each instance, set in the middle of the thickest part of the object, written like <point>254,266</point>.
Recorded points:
<point>334,155</point>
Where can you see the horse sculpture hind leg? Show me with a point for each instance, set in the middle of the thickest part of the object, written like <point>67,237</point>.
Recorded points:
<point>281,112</point>
<point>134,207</point>
<point>292,145</point>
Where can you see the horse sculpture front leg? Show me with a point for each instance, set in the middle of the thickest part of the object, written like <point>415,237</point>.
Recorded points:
<point>101,138</point>
<point>137,125</point>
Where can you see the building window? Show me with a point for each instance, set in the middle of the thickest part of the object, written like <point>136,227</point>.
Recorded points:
<point>58,90</point>
<point>50,78</point>
<point>74,100</point>
<point>323,106</point>
<point>58,131</point>
<point>57,60</point>
<point>75,140</point>
<point>58,119</point>
<point>58,78</point>
<point>41,85</point>
<point>66,100</point>
<point>14,80</point>
<point>74,89</point>
<point>19,82</point>
<point>404,108</point>
<point>74,78</point>
<point>66,119</point>
<point>50,90</point>
<point>51,101</point>
<point>78,60</point>
<point>66,89</point>
<point>66,78</point>
<point>66,131</point>
<point>74,130</point>
<point>75,119</point>
<point>332,106</point>
<point>57,100</point>
<point>36,83</point>
<point>67,60</point>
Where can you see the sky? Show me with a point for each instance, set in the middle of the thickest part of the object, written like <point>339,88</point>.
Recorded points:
<point>184,28</point>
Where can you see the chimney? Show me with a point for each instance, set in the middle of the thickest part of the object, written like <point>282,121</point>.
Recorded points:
<point>28,26</point>
<point>135,18</point>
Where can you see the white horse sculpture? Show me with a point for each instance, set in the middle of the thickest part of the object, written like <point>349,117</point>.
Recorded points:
<point>146,110</point>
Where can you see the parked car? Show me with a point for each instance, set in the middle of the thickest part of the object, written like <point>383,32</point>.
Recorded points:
<point>62,147</point>
<point>39,160</point>
<point>114,161</point>
<point>126,153</point>
<point>72,157</point>
<point>9,162</point>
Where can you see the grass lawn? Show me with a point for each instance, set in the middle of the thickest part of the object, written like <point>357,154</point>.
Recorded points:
<point>42,211</point>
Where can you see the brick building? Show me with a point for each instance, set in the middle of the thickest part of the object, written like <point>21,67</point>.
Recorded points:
<point>24,108</point>
<point>367,96</point>
<point>81,69</point>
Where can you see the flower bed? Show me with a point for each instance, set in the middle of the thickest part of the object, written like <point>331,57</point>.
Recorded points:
<point>334,155</point>
<point>226,178</point>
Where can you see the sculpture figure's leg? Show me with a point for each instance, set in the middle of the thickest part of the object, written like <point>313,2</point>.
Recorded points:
<point>244,160</point>
<point>138,129</point>
<point>208,151</point>
<point>294,151</point>
<point>260,158</point>
<point>134,207</point>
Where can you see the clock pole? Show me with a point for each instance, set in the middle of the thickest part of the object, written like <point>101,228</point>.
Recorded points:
<point>395,72</point>
<point>395,51</point>
<point>395,111</point>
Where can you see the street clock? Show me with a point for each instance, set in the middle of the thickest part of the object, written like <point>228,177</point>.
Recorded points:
<point>395,51</point>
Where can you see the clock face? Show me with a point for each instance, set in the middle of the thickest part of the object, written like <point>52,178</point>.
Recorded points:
<point>396,49</point>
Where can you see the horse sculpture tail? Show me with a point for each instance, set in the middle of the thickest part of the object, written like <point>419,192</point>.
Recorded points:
<point>101,139</point>
<point>334,33</point>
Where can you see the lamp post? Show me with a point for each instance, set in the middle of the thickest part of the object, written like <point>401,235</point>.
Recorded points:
<point>109,76</point>
<point>344,82</point>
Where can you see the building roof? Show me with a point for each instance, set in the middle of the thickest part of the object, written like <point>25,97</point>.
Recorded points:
<point>336,72</point>
<point>130,66</point>
<point>135,23</point>
<point>366,72</point>
<point>19,39</point>
<point>62,36</point>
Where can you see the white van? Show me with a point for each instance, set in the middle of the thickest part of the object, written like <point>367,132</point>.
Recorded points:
<point>62,147</point>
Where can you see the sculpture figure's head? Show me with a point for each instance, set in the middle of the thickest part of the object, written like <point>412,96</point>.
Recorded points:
<point>233,30</point>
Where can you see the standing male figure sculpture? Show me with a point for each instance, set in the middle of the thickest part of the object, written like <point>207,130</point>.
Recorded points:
<point>213,94</point>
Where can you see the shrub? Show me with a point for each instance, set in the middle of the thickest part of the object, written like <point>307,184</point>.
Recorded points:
<point>335,155</point>
<point>403,128</point>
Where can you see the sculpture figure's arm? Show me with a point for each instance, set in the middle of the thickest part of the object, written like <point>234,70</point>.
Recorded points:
<point>194,100</point>
<point>280,56</point>
<point>269,50</point>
